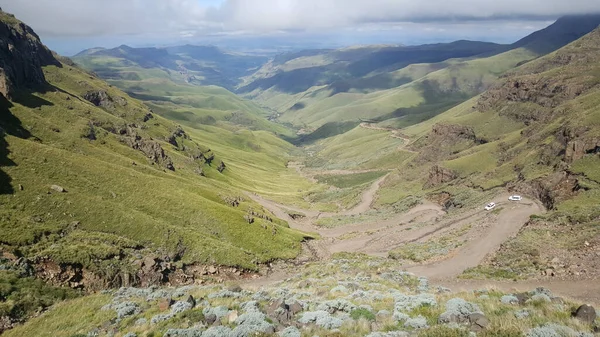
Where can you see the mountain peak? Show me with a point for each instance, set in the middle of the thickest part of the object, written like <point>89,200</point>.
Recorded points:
<point>565,30</point>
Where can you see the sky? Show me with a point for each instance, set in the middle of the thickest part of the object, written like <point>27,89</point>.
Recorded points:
<point>69,26</point>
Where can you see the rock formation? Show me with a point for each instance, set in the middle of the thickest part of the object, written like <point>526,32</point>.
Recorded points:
<point>22,57</point>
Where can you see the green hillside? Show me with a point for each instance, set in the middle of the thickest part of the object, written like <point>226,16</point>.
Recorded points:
<point>93,183</point>
<point>534,132</point>
<point>398,86</point>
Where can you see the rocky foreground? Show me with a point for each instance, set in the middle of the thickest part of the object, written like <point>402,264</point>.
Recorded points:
<point>348,296</point>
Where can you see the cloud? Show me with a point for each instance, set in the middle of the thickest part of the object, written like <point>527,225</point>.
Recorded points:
<point>194,17</point>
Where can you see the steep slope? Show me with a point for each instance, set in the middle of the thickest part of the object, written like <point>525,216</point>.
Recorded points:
<point>161,78</point>
<point>98,191</point>
<point>537,133</point>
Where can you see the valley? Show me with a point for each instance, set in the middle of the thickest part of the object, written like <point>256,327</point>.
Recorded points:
<point>191,191</point>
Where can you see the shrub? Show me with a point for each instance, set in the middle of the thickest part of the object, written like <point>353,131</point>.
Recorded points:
<point>459,310</point>
<point>321,318</point>
<point>219,312</point>
<point>334,306</point>
<point>217,331</point>
<point>160,318</point>
<point>179,307</point>
<point>509,299</point>
<point>555,330</point>
<point>192,332</point>
<point>290,332</point>
<point>505,332</point>
<point>356,314</point>
<point>444,331</point>
<point>409,302</point>
<point>418,322</point>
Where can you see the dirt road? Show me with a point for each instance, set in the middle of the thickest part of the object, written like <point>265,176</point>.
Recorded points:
<point>420,224</point>
<point>507,224</point>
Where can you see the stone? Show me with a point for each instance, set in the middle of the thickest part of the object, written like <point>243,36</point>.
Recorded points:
<point>585,313</point>
<point>522,297</point>
<point>58,188</point>
<point>212,270</point>
<point>191,300</point>
<point>478,322</point>
<point>232,316</point>
<point>165,304</point>
<point>235,288</point>
<point>304,284</point>
<point>210,319</point>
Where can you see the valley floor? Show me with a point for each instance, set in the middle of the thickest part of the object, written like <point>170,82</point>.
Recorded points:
<point>476,232</point>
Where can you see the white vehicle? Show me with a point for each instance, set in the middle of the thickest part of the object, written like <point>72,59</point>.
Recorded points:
<point>490,206</point>
<point>515,198</point>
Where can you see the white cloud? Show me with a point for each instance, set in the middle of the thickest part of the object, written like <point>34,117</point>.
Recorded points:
<point>177,17</point>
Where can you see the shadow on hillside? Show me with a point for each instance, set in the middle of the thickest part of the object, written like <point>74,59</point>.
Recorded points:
<point>435,101</point>
<point>9,125</point>
<point>28,99</point>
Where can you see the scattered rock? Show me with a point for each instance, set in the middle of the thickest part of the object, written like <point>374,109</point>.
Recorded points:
<point>235,288</point>
<point>221,167</point>
<point>57,188</point>
<point>191,301</point>
<point>478,322</point>
<point>99,98</point>
<point>165,304</point>
<point>585,313</point>
<point>232,316</point>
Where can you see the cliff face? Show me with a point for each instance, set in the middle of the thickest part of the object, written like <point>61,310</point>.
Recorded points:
<point>22,56</point>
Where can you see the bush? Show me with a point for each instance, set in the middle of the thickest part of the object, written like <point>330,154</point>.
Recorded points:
<point>419,322</point>
<point>507,332</point>
<point>321,318</point>
<point>443,331</point>
<point>23,296</point>
<point>459,309</point>
<point>356,314</point>
<point>290,332</point>
<point>509,299</point>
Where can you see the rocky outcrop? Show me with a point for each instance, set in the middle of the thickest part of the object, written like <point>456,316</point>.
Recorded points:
<point>152,149</point>
<point>22,56</point>
<point>453,132</point>
<point>102,99</point>
<point>177,134</point>
<point>439,175</point>
<point>547,92</point>
<point>221,167</point>
<point>549,190</point>
<point>577,143</point>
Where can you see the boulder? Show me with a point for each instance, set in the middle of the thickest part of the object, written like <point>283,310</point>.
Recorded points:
<point>232,316</point>
<point>585,313</point>
<point>165,304</point>
<point>58,188</point>
<point>99,98</point>
<point>478,322</point>
<point>191,300</point>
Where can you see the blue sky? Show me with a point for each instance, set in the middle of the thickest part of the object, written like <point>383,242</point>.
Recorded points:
<point>69,26</point>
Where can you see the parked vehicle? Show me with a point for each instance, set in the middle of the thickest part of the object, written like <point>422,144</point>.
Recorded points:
<point>490,206</point>
<point>515,198</point>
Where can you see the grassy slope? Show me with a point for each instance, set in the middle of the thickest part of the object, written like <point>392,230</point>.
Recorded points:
<point>141,204</point>
<point>431,88</point>
<point>176,99</point>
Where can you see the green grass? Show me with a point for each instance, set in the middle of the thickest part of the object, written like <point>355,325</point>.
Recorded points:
<point>350,180</point>
<point>124,208</point>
